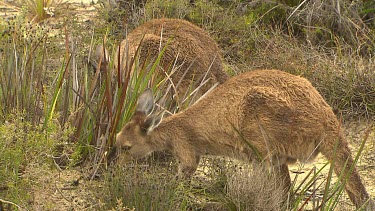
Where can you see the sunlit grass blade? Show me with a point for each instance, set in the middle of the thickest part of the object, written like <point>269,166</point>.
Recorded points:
<point>56,94</point>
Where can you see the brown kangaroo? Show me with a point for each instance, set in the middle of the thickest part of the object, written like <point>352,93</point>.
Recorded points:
<point>189,48</point>
<point>280,115</point>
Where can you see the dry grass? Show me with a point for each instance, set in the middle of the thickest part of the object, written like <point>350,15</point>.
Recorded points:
<point>256,189</point>
<point>331,23</point>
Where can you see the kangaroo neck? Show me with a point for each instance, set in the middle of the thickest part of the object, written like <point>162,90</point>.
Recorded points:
<point>169,131</point>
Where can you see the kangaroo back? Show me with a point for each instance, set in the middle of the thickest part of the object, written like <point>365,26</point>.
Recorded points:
<point>190,49</point>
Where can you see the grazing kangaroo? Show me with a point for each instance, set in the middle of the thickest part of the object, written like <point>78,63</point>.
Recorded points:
<point>188,48</point>
<point>280,115</point>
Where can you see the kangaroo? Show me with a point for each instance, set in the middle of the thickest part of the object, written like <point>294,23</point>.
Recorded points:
<point>280,115</point>
<point>188,48</point>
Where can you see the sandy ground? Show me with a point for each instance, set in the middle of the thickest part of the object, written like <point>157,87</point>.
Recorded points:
<point>65,190</point>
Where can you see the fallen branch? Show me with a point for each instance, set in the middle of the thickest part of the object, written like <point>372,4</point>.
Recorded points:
<point>9,202</point>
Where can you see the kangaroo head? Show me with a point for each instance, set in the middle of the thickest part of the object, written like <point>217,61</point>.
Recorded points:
<point>134,136</point>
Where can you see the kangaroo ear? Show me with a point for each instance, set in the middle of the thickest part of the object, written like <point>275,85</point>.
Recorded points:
<point>146,102</point>
<point>152,122</point>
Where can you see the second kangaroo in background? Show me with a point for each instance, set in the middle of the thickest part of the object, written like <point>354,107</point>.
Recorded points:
<point>281,115</point>
<point>189,48</point>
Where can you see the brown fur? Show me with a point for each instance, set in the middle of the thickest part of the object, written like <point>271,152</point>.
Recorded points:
<point>283,116</point>
<point>195,49</point>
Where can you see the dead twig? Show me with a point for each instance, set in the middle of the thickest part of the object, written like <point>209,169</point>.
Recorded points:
<point>11,203</point>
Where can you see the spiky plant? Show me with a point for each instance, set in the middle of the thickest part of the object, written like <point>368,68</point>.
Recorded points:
<point>41,9</point>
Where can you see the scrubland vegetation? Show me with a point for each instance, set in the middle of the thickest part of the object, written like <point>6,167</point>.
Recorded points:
<point>58,113</point>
